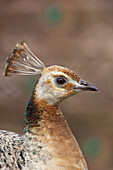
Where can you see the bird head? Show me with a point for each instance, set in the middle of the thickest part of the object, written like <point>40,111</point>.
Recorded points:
<point>55,83</point>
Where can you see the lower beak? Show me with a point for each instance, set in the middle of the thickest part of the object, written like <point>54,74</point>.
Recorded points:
<point>84,85</point>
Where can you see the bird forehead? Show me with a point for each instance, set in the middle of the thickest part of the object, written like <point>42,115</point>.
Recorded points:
<point>62,71</point>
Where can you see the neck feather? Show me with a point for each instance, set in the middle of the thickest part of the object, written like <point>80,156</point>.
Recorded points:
<point>47,137</point>
<point>38,111</point>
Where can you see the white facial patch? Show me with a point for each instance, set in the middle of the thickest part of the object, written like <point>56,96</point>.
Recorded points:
<point>66,76</point>
<point>48,89</point>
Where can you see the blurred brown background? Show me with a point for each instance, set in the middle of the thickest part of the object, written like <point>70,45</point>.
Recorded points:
<point>76,34</point>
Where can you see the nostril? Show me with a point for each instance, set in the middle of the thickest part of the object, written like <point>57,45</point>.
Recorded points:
<point>83,82</point>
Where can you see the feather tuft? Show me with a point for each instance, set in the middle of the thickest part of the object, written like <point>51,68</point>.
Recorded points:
<point>23,62</point>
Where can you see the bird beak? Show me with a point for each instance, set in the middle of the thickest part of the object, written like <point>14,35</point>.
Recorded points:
<point>84,85</point>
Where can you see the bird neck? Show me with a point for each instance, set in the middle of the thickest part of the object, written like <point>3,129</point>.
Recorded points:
<point>39,113</point>
<point>47,137</point>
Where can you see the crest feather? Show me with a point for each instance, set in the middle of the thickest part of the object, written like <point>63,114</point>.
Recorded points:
<point>23,62</point>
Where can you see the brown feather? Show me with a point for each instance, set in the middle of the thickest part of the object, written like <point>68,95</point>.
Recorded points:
<point>23,62</point>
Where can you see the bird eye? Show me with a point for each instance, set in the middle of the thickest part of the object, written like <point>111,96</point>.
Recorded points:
<point>61,80</point>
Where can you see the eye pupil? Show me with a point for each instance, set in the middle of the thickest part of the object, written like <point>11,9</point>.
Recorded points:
<point>61,80</point>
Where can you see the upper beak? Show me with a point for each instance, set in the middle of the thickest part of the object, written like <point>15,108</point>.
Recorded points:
<point>84,85</point>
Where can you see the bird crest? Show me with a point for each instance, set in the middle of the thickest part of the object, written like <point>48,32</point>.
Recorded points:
<point>55,80</point>
<point>23,62</point>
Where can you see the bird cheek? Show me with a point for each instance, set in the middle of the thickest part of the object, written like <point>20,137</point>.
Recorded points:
<point>69,93</point>
<point>68,86</point>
